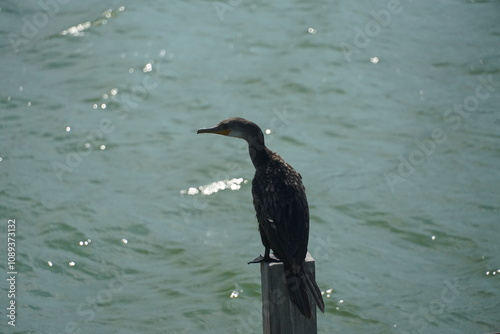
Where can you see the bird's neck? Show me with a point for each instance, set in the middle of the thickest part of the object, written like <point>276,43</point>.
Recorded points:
<point>259,153</point>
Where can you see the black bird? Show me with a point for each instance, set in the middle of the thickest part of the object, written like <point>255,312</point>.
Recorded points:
<point>281,208</point>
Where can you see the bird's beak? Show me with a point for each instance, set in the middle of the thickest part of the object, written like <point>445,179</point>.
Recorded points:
<point>216,130</point>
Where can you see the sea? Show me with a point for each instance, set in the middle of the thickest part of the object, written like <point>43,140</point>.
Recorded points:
<point>116,217</point>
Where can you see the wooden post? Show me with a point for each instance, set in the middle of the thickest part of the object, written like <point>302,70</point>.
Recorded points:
<point>279,315</point>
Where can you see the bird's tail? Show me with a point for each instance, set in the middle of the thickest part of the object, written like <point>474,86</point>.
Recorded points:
<point>301,286</point>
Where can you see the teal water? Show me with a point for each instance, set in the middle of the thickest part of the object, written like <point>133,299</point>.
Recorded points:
<point>388,109</point>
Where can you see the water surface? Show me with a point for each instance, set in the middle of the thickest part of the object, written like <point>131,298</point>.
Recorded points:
<point>389,112</point>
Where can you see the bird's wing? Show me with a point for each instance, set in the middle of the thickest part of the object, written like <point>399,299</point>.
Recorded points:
<point>283,214</point>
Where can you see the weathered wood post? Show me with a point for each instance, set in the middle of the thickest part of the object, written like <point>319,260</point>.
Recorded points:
<point>279,315</point>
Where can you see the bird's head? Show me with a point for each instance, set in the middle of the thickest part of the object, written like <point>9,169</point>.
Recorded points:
<point>237,127</point>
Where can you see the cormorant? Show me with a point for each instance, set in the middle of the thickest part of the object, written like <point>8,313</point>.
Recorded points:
<point>282,211</point>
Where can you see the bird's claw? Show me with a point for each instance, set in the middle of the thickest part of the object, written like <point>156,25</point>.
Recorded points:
<point>260,259</point>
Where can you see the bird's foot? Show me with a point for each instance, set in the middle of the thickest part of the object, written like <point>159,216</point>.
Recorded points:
<point>261,258</point>
<point>258,259</point>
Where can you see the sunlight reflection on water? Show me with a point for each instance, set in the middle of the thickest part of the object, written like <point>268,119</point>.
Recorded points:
<point>211,188</point>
